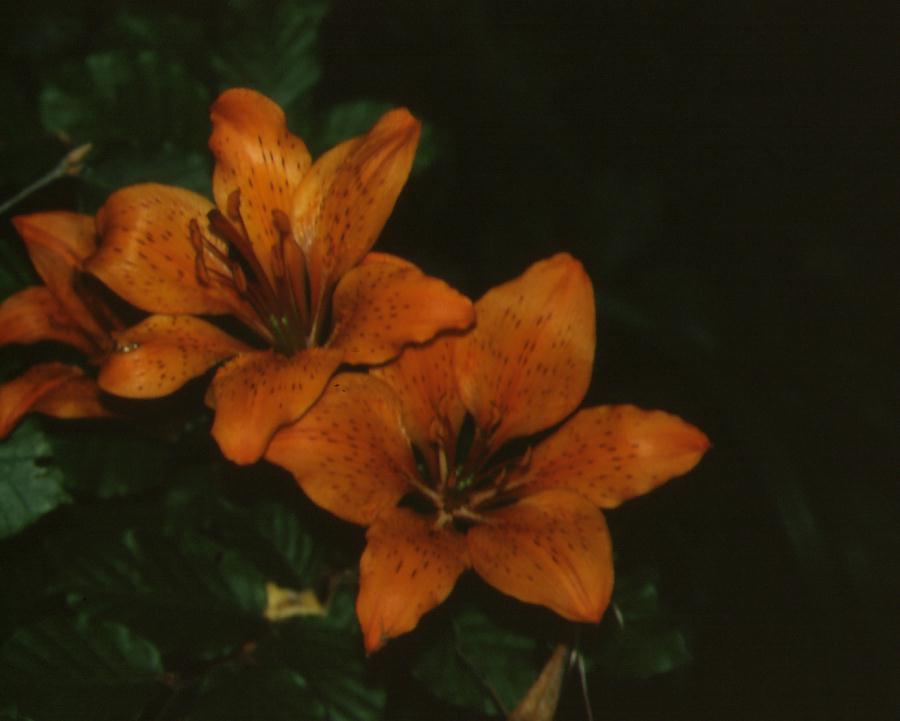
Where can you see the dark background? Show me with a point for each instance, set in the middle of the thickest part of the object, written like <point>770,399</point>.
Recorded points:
<point>727,174</point>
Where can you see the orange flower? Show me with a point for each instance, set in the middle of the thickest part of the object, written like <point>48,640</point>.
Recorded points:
<point>65,309</point>
<point>528,523</point>
<point>285,250</point>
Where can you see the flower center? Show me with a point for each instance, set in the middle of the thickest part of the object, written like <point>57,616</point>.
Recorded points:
<point>274,288</point>
<point>462,492</point>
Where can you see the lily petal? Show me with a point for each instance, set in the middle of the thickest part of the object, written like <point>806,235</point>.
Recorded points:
<point>34,391</point>
<point>146,255</point>
<point>408,568</point>
<point>609,454</point>
<point>162,353</point>
<point>379,307</point>
<point>58,244</point>
<point>256,393</point>
<point>346,198</point>
<point>349,452</point>
<point>423,379</point>
<point>552,549</point>
<point>78,397</point>
<point>35,314</point>
<point>527,363</point>
<point>257,156</point>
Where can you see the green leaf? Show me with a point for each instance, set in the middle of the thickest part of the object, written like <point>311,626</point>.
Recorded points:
<point>269,535</point>
<point>66,669</point>
<point>165,163</point>
<point>30,485</point>
<point>273,538</point>
<point>246,691</point>
<point>474,657</point>
<point>273,51</point>
<point>137,100</point>
<point>185,592</point>
<point>642,642</point>
<point>111,462</point>
<point>328,653</point>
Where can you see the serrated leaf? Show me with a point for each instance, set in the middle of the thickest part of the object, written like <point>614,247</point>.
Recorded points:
<point>328,653</point>
<point>474,657</point>
<point>164,163</point>
<point>641,641</point>
<point>66,669</point>
<point>135,99</point>
<point>278,545</point>
<point>273,51</point>
<point>269,535</point>
<point>246,691</point>
<point>30,484</point>
<point>186,592</point>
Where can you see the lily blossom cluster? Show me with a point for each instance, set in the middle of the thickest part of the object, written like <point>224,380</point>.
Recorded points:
<point>527,521</point>
<point>284,250</point>
<point>272,288</point>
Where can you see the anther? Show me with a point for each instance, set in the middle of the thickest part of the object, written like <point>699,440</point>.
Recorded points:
<point>233,205</point>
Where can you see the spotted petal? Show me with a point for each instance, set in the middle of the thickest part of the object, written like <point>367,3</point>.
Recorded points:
<point>146,255</point>
<point>527,363</point>
<point>423,379</point>
<point>256,393</point>
<point>612,453</point>
<point>346,198</point>
<point>408,568</point>
<point>162,353</point>
<point>34,314</point>
<point>552,549</point>
<point>259,158</point>
<point>54,389</point>
<point>381,306</point>
<point>59,243</point>
<point>349,452</point>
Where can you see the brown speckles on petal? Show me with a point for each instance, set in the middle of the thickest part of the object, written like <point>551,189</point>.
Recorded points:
<point>344,202</point>
<point>528,361</point>
<point>423,379</point>
<point>407,569</point>
<point>257,392</point>
<point>612,453</point>
<point>349,453</point>
<point>161,353</point>
<point>257,156</point>
<point>381,306</point>
<point>552,549</point>
<point>146,255</point>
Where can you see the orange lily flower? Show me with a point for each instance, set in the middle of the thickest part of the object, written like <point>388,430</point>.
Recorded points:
<point>528,523</point>
<point>65,309</point>
<point>285,251</point>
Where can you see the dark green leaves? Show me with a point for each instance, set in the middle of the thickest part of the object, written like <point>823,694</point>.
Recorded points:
<point>641,641</point>
<point>251,692</point>
<point>116,93</point>
<point>30,485</point>
<point>271,50</point>
<point>78,668</point>
<point>476,661</point>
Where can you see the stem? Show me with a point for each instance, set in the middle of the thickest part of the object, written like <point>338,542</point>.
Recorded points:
<point>70,165</point>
